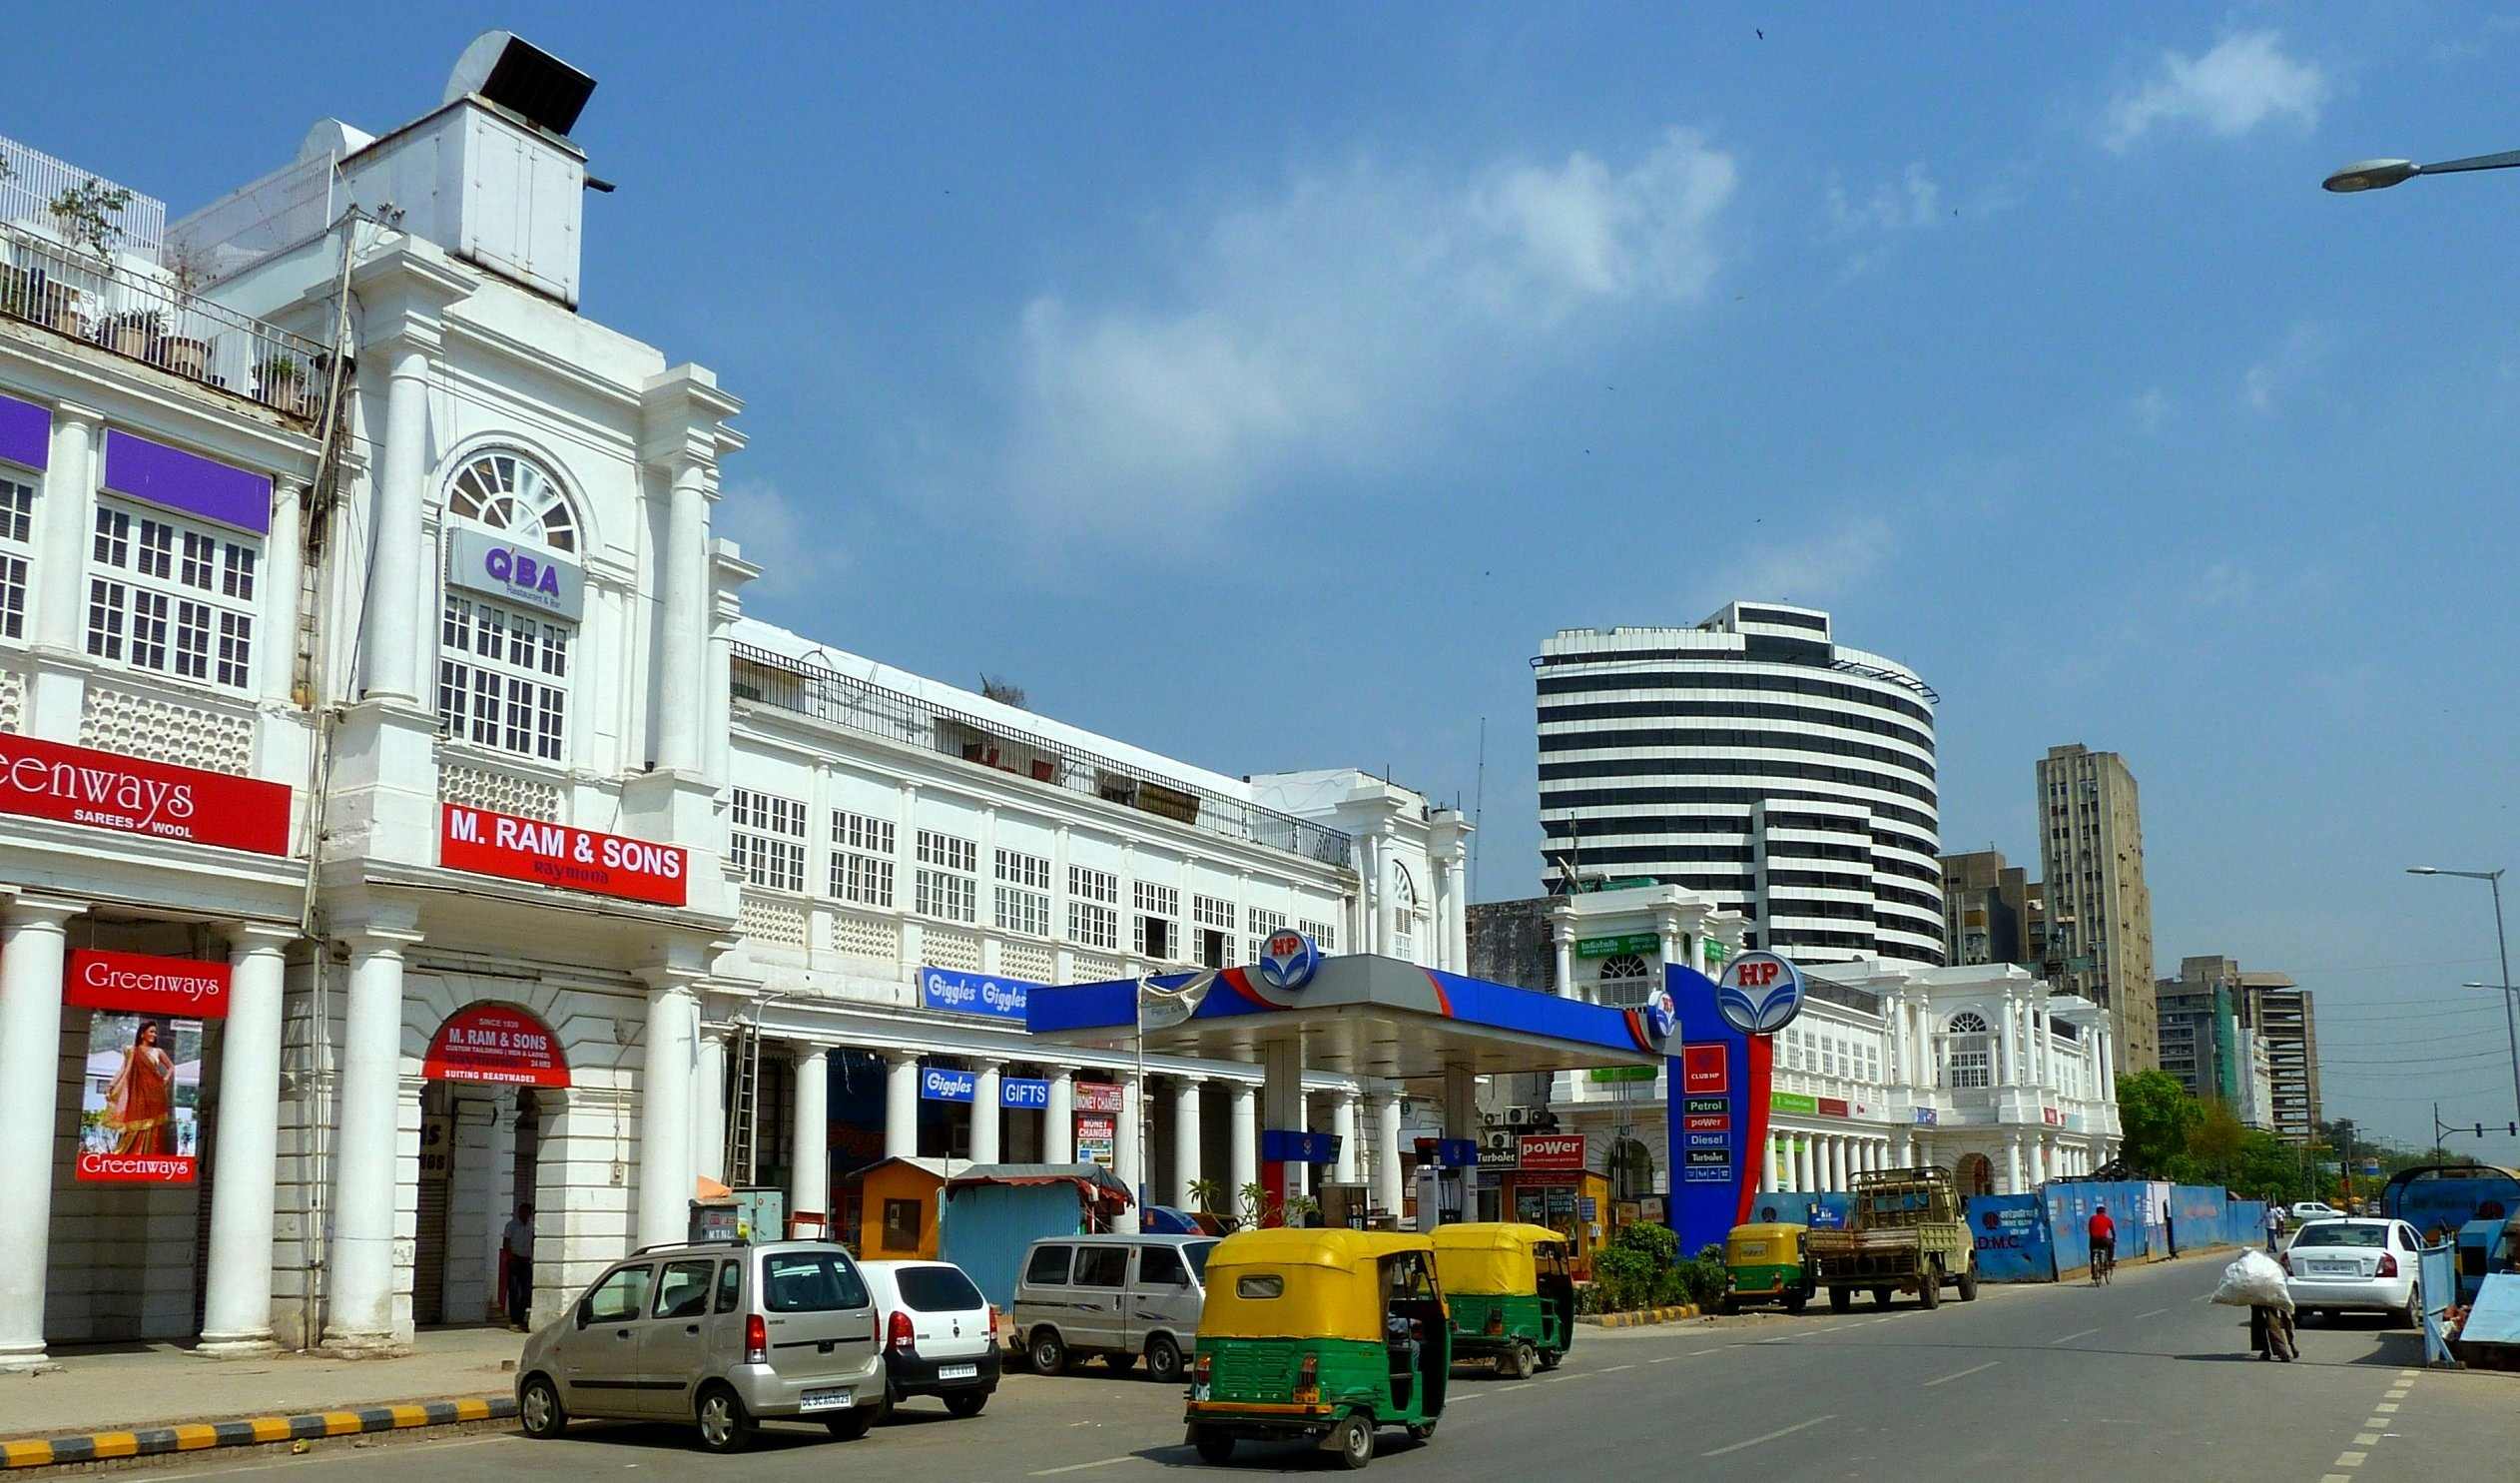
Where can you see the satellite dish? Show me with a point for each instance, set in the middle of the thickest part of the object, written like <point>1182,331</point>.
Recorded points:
<point>522,78</point>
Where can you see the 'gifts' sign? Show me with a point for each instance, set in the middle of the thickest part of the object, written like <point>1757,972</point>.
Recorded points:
<point>106,790</point>
<point>557,855</point>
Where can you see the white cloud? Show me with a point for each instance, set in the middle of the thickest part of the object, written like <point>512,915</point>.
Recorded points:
<point>2244,81</point>
<point>1909,203</point>
<point>2269,383</point>
<point>797,550</point>
<point>2150,411</point>
<point>1814,570</point>
<point>1329,329</point>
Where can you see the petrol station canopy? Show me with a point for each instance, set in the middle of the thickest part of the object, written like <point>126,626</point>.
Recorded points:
<point>1360,1016</point>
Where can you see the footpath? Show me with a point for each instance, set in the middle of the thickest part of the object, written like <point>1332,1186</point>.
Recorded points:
<point>94,1405</point>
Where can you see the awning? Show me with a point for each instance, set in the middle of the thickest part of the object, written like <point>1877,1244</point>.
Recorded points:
<point>1090,1178</point>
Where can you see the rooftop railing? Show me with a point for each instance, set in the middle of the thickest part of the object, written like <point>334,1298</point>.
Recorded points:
<point>134,312</point>
<point>860,705</point>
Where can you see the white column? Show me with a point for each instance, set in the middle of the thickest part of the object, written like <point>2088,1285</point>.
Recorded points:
<point>901,1103</point>
<point>1059,1119</point>
<point>1387,1193</point>
<point>61,587</point>
<point>281,558</point>
<point>2038,1161</point>
<point>1837,1164</point>
<point>360,1315</point>
<point>1244,1155</point>
<point>1186,1135</point>
<point>32,939</point>
<point>397,572</point>
<point>237,1298</point>
<point>2012,1164</point>
<point>708,1120</point>
<point>1564,946</point>
<point>987,1116</point>
<point>1350,1167</point>
<point>1128,1155</point>
<point>1802,1165</point>
<point>1767,1164</point>
<point>665,1087</point>
<point>1370,899</point>
<point>809,1173</point>
<point>683,654</point>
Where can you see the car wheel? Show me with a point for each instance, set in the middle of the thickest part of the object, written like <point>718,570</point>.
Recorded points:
<point>1421,1431</point>
<point>1549,1359</point>
<point>853,1423</point>
<point>725,1426</point>
<point>1929,1288</point>
<point>1353,1440</point>
<point>1841,1300</point>
<point>1526,1359</point>
<point>1120,1361</point>
<point>1969,1284</point>
<point>1164,1361</point>
<point>1881,1297</point>
<point>1214,1446</point>
<point>1049,1351</point>
<point>966,1403</point>
<point>538,1409</point>
<point>2412,1315</point>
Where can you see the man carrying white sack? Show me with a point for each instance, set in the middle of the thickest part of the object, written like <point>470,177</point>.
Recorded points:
<point>2256,1283</point>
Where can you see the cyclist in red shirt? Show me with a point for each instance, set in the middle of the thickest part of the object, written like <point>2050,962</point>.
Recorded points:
<point>2104,1238</point>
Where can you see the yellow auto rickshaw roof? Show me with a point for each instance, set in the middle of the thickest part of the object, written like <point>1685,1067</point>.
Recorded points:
<point>1761,1229</point>
<point>1280,1284</point>
<point>1495,1236</point>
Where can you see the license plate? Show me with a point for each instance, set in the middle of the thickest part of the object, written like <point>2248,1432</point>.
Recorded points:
<point>2335,1268</point>
<point>826,1400</point>
<point>958,1372</point>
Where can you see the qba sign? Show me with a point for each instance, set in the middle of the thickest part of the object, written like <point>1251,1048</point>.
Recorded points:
<point>527,576</point>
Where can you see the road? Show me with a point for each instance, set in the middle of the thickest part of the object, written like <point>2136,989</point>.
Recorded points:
<point>2141,1381</point>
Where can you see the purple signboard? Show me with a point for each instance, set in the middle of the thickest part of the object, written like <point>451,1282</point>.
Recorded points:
<point>26,434</point>
<point>186,482</point>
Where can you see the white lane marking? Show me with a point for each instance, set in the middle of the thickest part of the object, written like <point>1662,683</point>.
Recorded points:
<point>2350,1459</point>
<point>2384,1407</point>
<point>2376,1423</point>
<point>1667,1359</point>
<point>1694,1352</point>
<point>1961,1375</point>
<point>1781,1338</point>
<point>2409,1374</point>
<point>2398,1394</point>
<point>1078,1467</point>
<point>2156,1314</point>
<point>1613,1370</point>
<point>1507,1389</point>
<point>2366,1439</point>
<point>1772,1436</point>
<point>2335,1478</point>
<point>2078,1334</point>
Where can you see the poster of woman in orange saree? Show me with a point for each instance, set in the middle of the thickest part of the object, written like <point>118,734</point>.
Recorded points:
<point>140,1102</point>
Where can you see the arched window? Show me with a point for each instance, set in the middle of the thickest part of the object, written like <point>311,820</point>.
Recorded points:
<point>1626,980</point>
<point>1967,1059</point>
<point>510,494</point>
<point>1404,913</point>
<point>503,666</point>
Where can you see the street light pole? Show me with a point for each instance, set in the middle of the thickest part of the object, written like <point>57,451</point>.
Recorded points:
<point>2502,944</point>
<point>2380,175</point>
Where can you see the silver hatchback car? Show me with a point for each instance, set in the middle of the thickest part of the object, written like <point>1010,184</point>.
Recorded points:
<point>721,1336</point>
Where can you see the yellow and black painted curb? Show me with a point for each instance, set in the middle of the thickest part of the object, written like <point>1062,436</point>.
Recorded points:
<point>1642,1315</point>
<point>255,1431</point>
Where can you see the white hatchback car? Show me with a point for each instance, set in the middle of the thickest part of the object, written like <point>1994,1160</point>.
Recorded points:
<point>940,1334</point>
<point>2314,1209</point>
<point>2357,1265</point>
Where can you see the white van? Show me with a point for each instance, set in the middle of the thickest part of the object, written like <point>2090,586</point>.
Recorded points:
<point>1117,1297</point>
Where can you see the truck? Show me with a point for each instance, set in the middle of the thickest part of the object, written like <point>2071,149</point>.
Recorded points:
<point>1907,1235</point>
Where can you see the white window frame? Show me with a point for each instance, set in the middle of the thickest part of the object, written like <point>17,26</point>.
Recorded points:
<point>862,858</point>
<point>766,840</point>
<point>511,663</point>
<point>18,495</point>
<point>171,596</point>
<point>1325,934</point>
<point>1023,892</point>
<point>1265,925</point>
<point>1155,902</point>
<point>948,883</point>
<point>1093,907</point>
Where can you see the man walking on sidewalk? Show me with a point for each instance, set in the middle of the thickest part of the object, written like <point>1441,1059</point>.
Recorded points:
<point>517,1245</point>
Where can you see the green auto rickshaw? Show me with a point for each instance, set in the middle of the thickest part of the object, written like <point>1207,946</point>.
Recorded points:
<point>1766,1263</point>
<point>1512,1296</point>
<point>1323,1334</point>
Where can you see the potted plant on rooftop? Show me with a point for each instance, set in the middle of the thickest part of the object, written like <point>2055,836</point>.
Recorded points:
<point>280,381</point>
<point>135,333</point>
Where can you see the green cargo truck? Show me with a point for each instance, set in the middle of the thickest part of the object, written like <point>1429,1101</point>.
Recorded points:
<point>1908,1234</point>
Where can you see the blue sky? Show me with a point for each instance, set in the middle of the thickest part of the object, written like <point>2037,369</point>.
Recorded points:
<point>1264,391</point>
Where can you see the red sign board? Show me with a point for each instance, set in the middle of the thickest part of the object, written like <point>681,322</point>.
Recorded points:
<point>1098,1097</point>
<point>1562,1152</point>
<point>1705,1068</point>
<point>106,790</point>
<point>557,855</point>
<point>2052,1117</point>
<point>184,988</point>
<point>134,1168</point>
<point>495,1043</point>
<point>1832,1107</point>
<point>1705,1122</point>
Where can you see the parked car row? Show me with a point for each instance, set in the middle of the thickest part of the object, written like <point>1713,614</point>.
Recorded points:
<point>727,1337</point>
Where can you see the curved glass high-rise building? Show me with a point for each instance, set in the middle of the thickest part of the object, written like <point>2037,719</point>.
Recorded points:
<point>1755,759</point>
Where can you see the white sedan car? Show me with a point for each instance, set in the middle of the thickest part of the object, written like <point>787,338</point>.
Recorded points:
<point>2354,1265</point>
<point>2314,1209</point>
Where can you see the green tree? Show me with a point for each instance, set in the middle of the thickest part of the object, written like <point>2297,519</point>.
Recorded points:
<point>2217,1138</point>
<point>2263,1168</point>
<point>2156,1115</point>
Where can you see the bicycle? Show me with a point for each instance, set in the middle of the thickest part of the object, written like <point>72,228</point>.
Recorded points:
<point>2103,1263</point>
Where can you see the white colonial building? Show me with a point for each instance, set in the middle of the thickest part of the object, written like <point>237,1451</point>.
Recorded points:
<point>400,822</point>
<point>1890,1064</point>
